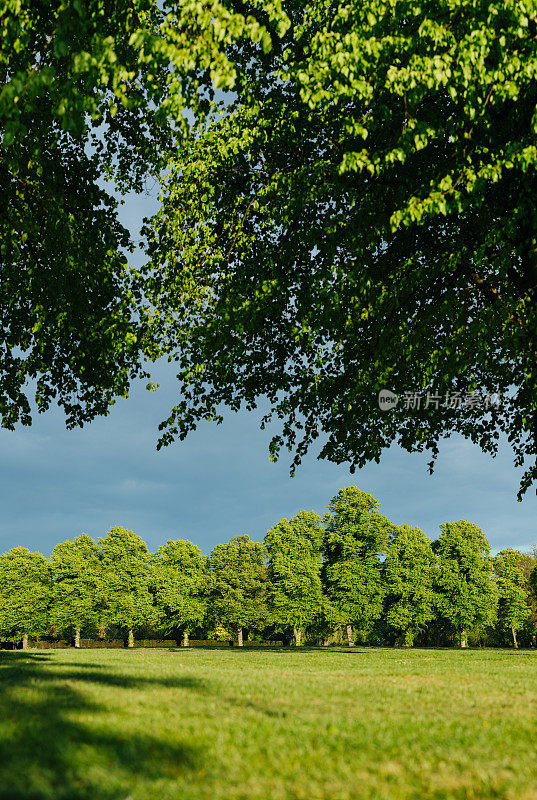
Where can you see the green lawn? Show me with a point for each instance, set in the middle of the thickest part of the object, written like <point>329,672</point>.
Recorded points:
<point>269,725</point>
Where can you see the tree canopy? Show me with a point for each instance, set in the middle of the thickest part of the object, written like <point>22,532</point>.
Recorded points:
<point>362,217</point>
<point>24,594</point>
<point>239,584</point>
<point>294,548</point>
<point>91,90</point>
<point>125,577</point>
<point>513,609</point>
<point>76,585</point>
<point>409,574</point>
<point>356,214</point>
<point>179,579</point>
<point>356,537</point>
<point>466,595</point>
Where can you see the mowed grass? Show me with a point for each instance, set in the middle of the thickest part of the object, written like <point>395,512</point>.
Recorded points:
<point>271,725</point>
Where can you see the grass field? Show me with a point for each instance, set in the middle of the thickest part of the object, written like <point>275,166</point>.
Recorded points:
<point>269,725</point>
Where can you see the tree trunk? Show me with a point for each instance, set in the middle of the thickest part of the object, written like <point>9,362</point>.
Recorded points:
<point>25,641</point>
<point>130,640</point>
<point>239,636</point>
<point>463,638</point>
<point>77,637</point>
<point>298,636</point>
<point>101,631</point>
<point>185,639</point>
<point>349,636</point>
<point>515,643</point>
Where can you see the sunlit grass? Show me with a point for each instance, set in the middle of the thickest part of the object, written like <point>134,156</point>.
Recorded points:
<point>270,725</point>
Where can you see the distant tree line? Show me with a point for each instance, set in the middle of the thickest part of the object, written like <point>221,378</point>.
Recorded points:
<point>353,576</point>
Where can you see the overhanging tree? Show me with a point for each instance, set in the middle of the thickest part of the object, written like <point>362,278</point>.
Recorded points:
<point>294,548</point>
<point>371,182</point>
<point>362,217</point>
<point>24,594</point>
<point>179,578</point>
<point>356,537</point>
<point>76,585</point>
<point>91,89</point>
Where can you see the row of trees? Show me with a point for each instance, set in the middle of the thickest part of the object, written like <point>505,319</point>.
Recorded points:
<point>354,572</point>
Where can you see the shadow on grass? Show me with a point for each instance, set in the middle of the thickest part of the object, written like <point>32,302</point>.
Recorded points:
<point>126,681</point>
<point>47,754</point>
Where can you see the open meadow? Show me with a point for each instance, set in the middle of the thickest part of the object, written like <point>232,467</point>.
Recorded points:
<point>335,724</point>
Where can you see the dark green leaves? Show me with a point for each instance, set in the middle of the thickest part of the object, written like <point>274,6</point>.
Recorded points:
<point>91,91</point>
<point>361,218</point>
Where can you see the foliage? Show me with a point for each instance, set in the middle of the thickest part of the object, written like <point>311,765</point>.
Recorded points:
<point>466,595</point>
<point>76,579</point>
<point>24,594</point>
<point>92,90</point>
<point>356,536</point>
<point>532,582</point>
<point>179,579</point>
<point>238,583</point>
<point>125,577</point>
<point>529,562</point>
<point>362,217</point>
<point>409,573</point>
<point>370,179</point>
<point>294,570</point>
<point>513,610</point>
<point>357,569</point>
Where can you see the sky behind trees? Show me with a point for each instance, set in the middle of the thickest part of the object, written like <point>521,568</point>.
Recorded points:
<point>219,483</point>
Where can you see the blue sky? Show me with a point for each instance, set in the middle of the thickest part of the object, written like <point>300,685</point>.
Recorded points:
<point>219,483</point>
